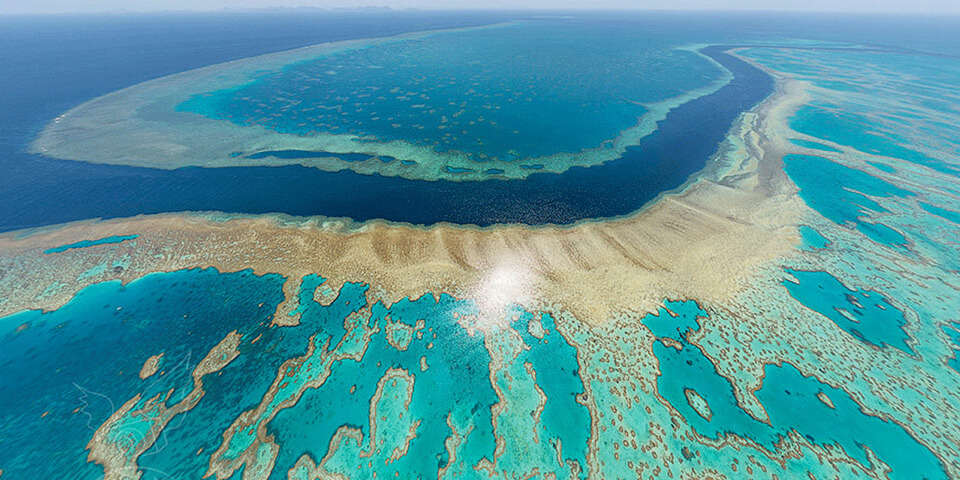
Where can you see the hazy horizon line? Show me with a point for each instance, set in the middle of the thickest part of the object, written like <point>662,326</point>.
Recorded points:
<point>372,8</point>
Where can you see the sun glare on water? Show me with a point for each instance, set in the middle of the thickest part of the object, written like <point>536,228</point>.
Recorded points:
<point>503,288</point>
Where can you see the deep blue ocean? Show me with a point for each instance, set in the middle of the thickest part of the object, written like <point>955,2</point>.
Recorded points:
<point>53,63</point>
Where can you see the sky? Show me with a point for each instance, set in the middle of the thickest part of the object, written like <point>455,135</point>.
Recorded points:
<point>879,6</point>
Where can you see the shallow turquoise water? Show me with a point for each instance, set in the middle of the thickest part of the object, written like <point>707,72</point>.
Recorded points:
<point>206,305</point>
<point>953,331</point>
<point>55,361</point>
<point>555,362</point>
<point>840,193</point>
<point>855,130</point>
<point>507,93</point>
<point>665,325</point>
<point>91,243</point>
<point>812,239</point>
<point>869,316</point>
<point>883,167</point>
<point>814,145</point>
<point>66,346</point>
<point>882,234</point>
<point>790,399</point>
<point>453,358</point>
<point>944,213</point>
<point>904,105</point>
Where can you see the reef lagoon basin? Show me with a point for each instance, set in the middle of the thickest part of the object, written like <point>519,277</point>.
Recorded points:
<point>315,244</point>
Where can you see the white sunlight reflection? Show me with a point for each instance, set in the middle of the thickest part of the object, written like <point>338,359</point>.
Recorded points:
<point>503,287</point>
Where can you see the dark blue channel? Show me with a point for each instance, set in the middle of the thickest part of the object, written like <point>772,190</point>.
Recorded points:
<point>681,146</point>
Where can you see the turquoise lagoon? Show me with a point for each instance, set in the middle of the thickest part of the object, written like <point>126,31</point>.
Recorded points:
<point>422,337</point>
<point>55,360</point>
<point>865,316</point>
<point>845,195</point>
<point>525,379</point>
<point>690,382</point>
<point>812,239</point>
<point>503,93</point>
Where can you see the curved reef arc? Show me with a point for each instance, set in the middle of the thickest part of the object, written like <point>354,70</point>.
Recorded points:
<point>207,116</point>
<point>681,145</point>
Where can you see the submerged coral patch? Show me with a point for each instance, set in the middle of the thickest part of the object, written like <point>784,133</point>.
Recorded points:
<point>843,194</point>
<point>866,315</point>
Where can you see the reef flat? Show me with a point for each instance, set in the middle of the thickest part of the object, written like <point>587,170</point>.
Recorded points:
<point>502,101</point>
<point>790,311</point>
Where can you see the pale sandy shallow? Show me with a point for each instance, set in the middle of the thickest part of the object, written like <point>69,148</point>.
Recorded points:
<point>140,126</point>
<point>703,242</point>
